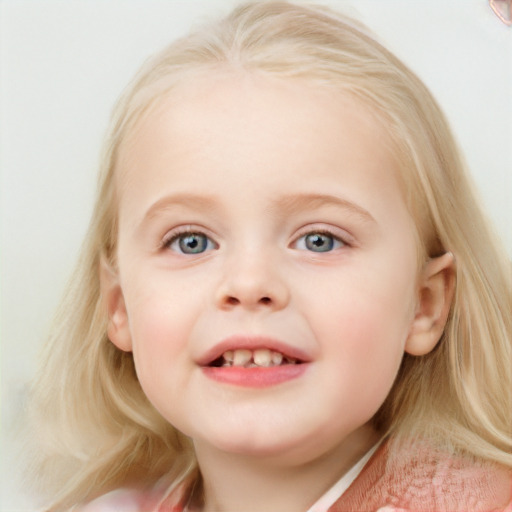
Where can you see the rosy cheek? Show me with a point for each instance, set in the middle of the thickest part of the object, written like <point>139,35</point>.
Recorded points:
<point>153,337</point>
<point>368,343</point>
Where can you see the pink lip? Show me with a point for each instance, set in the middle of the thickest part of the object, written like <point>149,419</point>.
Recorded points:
<point>254,377</point>
<point>251,343</point>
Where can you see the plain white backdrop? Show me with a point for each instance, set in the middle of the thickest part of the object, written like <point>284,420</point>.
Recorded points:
<point>62,65</point>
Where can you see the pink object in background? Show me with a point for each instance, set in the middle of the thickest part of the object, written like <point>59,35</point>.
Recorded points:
<point>502,9</point>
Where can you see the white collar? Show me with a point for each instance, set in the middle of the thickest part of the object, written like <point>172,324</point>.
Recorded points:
<point>337,490</point>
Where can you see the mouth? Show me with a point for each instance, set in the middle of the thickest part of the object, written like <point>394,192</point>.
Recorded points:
<point>257,358</point>
<point>241,351</point>
<point>254,362</point>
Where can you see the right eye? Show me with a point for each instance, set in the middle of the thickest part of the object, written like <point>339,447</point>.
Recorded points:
<point>190,243</point>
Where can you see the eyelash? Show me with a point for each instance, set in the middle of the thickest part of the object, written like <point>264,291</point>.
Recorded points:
<point>300,243</point>
<point>179,235</point>
<point>338,242</point>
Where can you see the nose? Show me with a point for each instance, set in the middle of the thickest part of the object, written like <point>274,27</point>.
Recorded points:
<point>254,282</point>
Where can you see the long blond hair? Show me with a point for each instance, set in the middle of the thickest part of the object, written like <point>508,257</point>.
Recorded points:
<point>96,428</point>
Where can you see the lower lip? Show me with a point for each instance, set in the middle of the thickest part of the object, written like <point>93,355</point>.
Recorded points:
<point>255,377</point>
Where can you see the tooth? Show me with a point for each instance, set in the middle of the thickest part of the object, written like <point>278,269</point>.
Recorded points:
<point>262,357</point>
<point>277,358</point>
<point>228,356</point>
<point>241,357</point>
<point>291,360</point>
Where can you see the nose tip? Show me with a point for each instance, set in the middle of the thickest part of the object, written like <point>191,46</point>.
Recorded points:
<point>259,285</point>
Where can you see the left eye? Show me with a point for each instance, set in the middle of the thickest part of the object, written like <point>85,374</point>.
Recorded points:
<point>190,243</point>
<point>319,242</point>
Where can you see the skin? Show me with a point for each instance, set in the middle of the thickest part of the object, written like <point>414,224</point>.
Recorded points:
<point>248,161</point>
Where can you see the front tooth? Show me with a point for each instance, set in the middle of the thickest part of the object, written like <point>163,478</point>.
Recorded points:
<point>228,356</point>
<point>277,358</point>
<point>241,357</point>
<point>262,357</point>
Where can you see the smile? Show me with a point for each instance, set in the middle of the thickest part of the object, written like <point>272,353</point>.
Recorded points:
<point>259,358</point>
<point>254,362</point>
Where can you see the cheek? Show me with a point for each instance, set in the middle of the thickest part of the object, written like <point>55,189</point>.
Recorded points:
<point>159,310</point>
<point>373,351</point>
<point>370,313</point>
<point>369,342</point>
<point>362,328</point>
<point>159,327</point>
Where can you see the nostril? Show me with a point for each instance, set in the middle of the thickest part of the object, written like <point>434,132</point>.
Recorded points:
<point>233,300</point>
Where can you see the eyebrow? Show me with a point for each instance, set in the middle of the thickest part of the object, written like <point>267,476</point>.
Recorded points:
<point>300,202</point>
<point>191,201</point>
<point>287,205</point>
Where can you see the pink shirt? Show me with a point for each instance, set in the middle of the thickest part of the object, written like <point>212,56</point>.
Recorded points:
<point>421,481</point>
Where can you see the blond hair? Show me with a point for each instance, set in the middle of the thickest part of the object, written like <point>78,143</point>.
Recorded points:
<point>96,427</point>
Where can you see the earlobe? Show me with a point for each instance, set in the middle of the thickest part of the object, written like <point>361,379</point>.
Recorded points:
<point>113,300</point>
<point>435,293</point>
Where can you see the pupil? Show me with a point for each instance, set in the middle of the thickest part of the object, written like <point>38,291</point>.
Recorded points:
<point>319,243</point>
<point>193,244</point>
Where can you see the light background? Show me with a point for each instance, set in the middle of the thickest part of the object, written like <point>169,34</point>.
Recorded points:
<point>62,65</point>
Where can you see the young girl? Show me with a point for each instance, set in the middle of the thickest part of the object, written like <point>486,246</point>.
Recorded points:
<point>288,299</point>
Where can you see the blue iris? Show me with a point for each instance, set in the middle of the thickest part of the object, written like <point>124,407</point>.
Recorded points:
<point>319,242</point>
<point>193,243</point>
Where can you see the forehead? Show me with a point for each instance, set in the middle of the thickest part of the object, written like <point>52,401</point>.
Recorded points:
<point>254,129</point>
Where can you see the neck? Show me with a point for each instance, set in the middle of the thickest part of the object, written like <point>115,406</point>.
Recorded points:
<point>234,482</point>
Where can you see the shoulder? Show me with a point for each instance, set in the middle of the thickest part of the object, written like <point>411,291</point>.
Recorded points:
<point>120,500</point>
<point>508,508</point>
<point>422,479</point>
<point>387,508</point>
<point>131,500</point>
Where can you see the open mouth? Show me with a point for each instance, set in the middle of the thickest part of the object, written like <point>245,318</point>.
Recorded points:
<point>254,362</point>
<point>258,358</point>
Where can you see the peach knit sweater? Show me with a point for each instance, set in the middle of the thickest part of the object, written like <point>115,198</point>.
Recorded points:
<point>423,480</point>
<point>426,481</point>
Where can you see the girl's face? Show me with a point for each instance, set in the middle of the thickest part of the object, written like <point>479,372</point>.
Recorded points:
<point>260,224</point>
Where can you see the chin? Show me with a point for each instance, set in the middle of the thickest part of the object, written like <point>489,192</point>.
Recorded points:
<point>251,444</point>
<point>281,448</point>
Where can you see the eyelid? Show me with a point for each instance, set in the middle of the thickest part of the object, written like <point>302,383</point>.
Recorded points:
<point>174,233</point>
<point>323,229</point>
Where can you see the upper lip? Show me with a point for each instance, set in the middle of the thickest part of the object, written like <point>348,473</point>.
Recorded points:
<point>251,343</point>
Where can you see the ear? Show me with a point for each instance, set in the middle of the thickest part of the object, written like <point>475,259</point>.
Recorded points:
<point>435,293</point>
<point>113,300</point>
